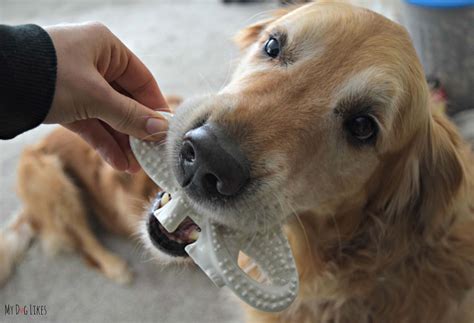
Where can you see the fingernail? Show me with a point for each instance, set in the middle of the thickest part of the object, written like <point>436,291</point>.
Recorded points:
<point>156,126</point>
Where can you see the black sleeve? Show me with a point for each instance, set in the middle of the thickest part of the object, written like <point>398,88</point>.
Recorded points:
<point>27,78</point>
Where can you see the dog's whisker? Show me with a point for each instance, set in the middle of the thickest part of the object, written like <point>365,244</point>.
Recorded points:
<point>228,73</point>
<point>137,249</point>
<point>248,207</point>
<point>154,134</point>
<point>257,16</point>
<point>206,81</point>
<point>307,242</point>
<point>338,233</point>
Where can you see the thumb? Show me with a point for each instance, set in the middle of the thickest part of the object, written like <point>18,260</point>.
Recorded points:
<point>132,118</point>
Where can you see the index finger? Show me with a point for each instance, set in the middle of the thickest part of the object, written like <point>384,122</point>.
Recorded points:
<point>138,81</point>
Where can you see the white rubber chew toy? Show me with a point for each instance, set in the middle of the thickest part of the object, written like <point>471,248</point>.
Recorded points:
<point>217,249</point>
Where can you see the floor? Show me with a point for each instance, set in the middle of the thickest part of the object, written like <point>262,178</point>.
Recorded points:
<point>187,44</point>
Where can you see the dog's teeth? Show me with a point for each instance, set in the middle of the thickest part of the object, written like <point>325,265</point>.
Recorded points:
<point>165,198</point>
<point>194,235</point>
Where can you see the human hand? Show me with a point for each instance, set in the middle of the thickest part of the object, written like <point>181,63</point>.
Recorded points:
<point>104,92</point>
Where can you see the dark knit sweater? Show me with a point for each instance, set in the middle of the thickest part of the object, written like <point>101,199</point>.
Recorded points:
<point>27,78</point>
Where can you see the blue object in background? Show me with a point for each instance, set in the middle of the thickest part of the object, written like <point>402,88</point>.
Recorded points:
<point>442,3</point>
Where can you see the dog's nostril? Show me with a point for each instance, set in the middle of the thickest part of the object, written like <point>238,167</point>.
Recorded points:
<point>187,156</point>
<point>187,152</point>
<point>210,183</point>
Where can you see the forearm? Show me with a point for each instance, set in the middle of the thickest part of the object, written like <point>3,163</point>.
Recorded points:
<point>27,78</point>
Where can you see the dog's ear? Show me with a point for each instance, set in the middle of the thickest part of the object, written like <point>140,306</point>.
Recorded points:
<point>441,169</point>
<point>416,186</point>
<point>422,181</point>
<point>250,34</point>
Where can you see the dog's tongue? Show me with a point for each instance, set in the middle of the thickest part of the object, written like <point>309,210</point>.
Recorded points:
<point>218,247</point>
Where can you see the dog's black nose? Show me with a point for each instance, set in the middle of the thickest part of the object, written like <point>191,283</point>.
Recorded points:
<point>212,163</point>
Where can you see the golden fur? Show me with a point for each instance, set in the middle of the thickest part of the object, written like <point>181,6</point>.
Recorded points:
<point>380,234</point>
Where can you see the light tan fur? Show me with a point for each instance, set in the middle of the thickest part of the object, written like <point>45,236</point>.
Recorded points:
<point>380,233</point>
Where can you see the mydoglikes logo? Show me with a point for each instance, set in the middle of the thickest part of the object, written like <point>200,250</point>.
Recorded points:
<point>26,310</point>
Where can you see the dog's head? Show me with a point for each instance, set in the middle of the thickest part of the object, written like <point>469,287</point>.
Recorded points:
<point>326,111</point>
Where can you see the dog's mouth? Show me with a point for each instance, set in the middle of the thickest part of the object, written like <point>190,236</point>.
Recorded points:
<point>172,243</point>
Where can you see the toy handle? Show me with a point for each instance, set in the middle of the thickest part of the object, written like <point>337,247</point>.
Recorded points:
<point>273,255</point>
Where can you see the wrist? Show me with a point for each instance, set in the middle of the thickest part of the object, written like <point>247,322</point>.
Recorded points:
<point>29,76</point>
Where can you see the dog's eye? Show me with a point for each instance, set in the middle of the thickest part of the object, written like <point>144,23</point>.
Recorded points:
<point>362,128</point>
<point>272,47</point>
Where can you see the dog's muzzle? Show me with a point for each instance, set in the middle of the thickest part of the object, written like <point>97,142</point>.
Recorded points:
<point>218,247</point>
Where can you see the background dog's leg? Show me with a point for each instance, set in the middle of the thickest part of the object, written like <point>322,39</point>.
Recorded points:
<point>98,257</point>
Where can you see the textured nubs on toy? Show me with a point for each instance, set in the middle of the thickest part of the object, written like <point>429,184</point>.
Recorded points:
<point>173,243</point>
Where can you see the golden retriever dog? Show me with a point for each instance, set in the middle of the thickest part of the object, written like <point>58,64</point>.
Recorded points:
<point>326,126</point>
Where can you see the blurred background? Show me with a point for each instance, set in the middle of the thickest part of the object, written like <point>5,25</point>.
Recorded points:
<point>187,45</point>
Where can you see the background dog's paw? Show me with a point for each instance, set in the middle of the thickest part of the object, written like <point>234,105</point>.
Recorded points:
<point>14,241</point>
<point>118,271</point>
<point>6,262</point>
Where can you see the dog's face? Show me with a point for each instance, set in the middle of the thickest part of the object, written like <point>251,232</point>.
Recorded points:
<point>314,106</point>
